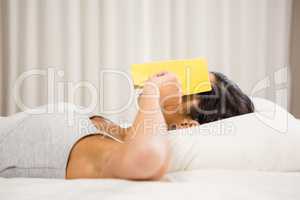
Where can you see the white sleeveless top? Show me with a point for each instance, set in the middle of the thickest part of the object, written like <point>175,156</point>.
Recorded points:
<point>37,143</point>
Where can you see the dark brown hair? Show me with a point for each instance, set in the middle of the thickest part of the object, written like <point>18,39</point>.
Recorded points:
<point>225,100</point>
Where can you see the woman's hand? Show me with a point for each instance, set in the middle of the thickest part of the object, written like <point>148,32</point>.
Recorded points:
<point>167,87</point>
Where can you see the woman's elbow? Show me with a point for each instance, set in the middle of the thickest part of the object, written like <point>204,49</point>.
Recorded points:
<point>149,160</point>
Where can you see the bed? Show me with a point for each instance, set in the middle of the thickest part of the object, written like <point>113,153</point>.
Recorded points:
<point>198,184</point>
<point>262,164</point>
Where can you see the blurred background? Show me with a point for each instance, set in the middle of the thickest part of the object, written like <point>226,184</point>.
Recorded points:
<point>64,43</point>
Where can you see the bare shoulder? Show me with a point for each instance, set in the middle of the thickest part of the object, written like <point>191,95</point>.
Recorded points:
<point>88,157</point>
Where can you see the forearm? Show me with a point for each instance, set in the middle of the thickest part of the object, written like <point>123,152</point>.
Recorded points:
<point>146,148</point>
<point>149,122</point>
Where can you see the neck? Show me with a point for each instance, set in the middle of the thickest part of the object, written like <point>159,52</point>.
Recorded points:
<point>176,118</point>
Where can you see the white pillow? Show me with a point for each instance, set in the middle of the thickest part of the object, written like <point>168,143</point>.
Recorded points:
<point>268,139</point>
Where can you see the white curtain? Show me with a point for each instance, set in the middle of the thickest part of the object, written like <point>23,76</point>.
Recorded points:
<point>246,39</point>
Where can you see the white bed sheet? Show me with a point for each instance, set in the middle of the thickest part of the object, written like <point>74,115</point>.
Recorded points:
<point>200,184</point>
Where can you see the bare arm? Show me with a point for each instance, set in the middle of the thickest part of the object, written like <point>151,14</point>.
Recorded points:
<point>146,141</point>
<point>144,154</point>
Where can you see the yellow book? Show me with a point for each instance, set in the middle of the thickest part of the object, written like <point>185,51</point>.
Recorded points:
<point>192,73</point>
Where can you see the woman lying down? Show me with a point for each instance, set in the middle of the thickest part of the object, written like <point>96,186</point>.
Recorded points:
<point>47,146</point>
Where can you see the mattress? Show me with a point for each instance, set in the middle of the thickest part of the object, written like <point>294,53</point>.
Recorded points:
<point>198,184</point>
